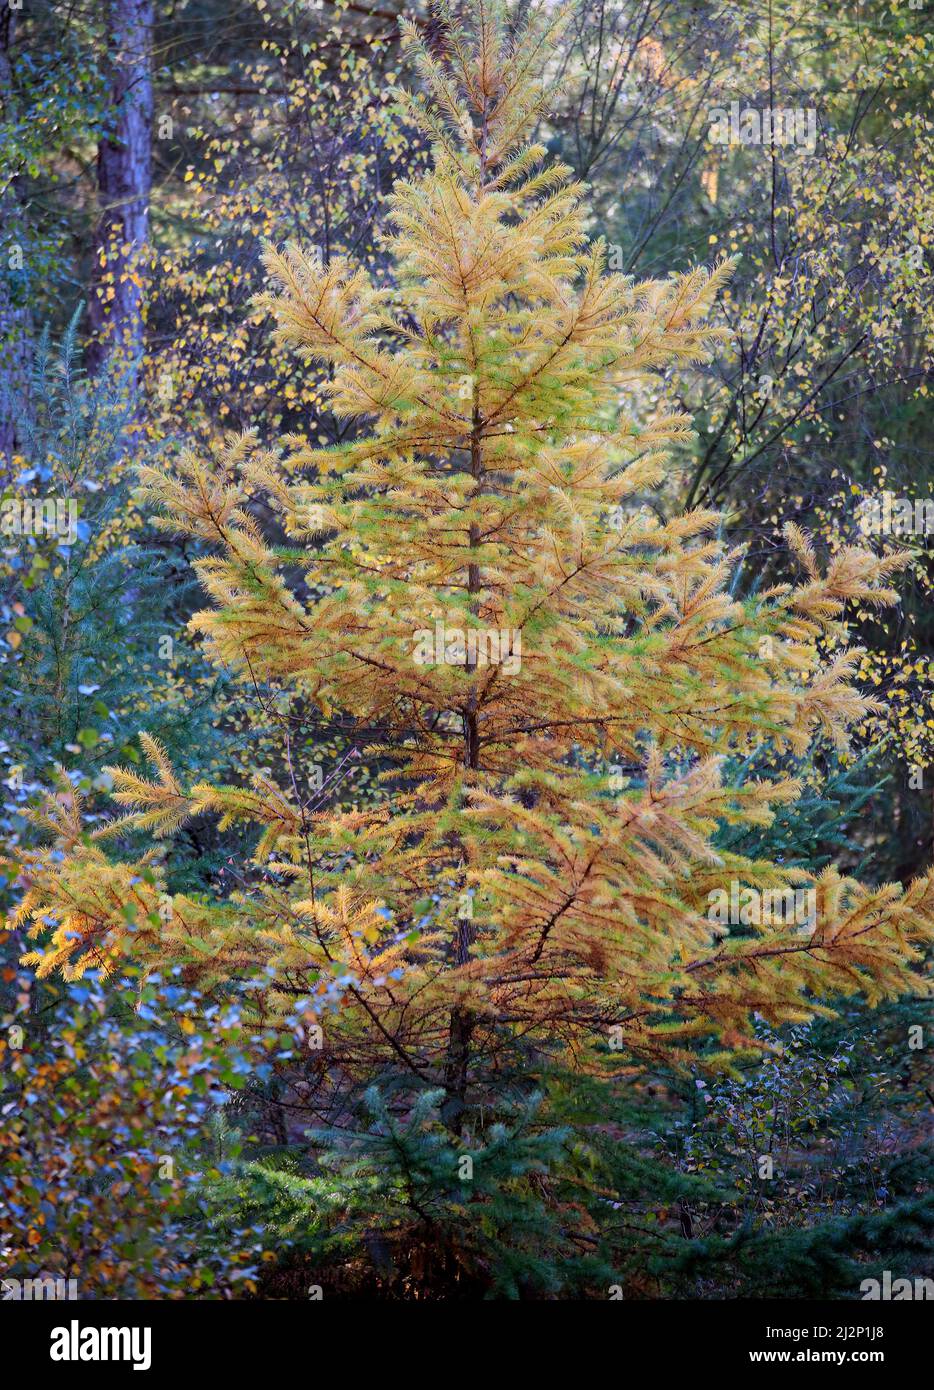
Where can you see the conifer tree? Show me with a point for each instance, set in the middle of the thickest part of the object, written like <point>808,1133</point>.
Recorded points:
<point>472,587</point>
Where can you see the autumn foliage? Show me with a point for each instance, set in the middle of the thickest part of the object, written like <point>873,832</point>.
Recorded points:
<point>534,877</point>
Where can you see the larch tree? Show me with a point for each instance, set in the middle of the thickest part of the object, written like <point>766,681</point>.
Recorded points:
<point>548,676</point>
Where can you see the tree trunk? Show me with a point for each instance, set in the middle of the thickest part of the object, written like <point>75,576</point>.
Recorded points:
<point>463,1021</point>
<point>14,310</point>
<point>456,1062</point>
<point>124,179</point>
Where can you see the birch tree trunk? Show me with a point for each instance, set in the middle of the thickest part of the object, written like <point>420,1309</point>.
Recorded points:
<point>14,314</point>
<point>124,177</point>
